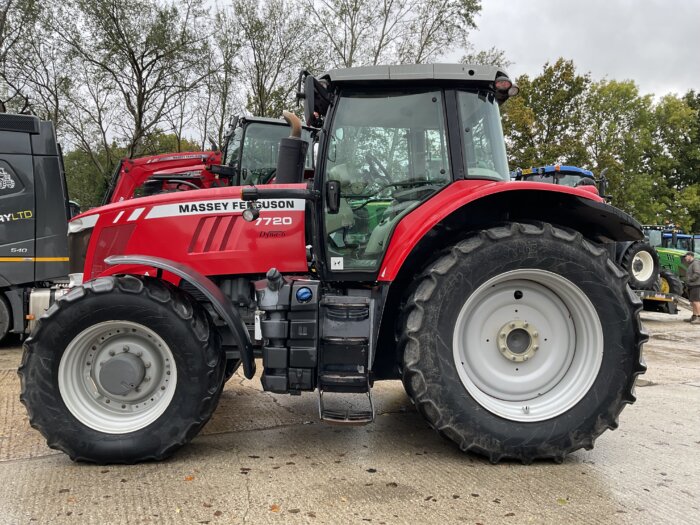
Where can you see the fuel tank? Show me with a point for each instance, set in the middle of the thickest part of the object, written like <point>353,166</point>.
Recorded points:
<point>202,229</point>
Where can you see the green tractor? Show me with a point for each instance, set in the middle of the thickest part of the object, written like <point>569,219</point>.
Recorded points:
<point>671,245</point>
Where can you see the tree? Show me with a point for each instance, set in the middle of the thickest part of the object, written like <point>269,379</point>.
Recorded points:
<point>543,125</point>
<point>277,44</point>
<point>149,51</point>
<point>221,94</point>
<point>372,32</point>
<point>16,24</point>
<point>491,57</point>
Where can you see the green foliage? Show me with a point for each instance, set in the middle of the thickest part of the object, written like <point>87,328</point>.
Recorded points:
<point>650,150</point>
<point>87,185</point>
<point>544,124</point>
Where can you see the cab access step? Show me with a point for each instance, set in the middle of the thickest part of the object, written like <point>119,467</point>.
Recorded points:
<point>344,359</point>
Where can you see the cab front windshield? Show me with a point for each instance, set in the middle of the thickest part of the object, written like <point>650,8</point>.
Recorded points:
<point>259,142</point>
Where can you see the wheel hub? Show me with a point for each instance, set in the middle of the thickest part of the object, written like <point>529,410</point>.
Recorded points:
<point>518,341</point>
<point>117,376</point>
<point>121,374</point>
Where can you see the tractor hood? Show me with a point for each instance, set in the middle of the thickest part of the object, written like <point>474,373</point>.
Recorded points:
<point>203,229</point>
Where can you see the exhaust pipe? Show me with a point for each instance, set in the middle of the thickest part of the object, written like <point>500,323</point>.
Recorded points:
<point>292,153</point>
<point>294,122</point>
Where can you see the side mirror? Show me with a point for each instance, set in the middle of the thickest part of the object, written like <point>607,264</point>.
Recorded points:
<point>73,208</point>
<point>333,196</point>
<point>316,100</point>
<point>220,169</point>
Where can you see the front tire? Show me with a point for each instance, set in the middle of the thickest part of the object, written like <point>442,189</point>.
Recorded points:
<point>642,264</point>
<point>522,342</point>
<point>121,370</point>
<point>670,283</point>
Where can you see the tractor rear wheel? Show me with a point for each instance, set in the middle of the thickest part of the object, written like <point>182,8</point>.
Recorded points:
<point>670,283</point>
<point>522,341</point>
<point>642,264</point>
<point>122,370</point>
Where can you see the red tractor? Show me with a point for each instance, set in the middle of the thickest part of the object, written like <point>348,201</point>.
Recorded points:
<point>249,155</point>
<point>408,256</point>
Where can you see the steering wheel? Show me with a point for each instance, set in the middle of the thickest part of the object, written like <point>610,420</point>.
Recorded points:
<point>188,184</point>
<point>376,168</point>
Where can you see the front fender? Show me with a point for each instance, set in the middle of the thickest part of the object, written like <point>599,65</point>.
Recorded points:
<point>213,293</point>
<point>470,205</point>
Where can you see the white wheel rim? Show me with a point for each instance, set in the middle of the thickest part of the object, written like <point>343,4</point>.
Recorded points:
<point>642,266</point>
<point>561,323</point>
<point>88,399</point>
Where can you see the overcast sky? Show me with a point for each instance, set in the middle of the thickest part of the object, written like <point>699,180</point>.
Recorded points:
<point>656,43</point>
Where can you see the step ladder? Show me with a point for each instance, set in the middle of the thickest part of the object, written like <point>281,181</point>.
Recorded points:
<point>344,360</point>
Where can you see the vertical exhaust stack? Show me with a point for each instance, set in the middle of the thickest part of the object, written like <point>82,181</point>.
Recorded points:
<point>292,153</point>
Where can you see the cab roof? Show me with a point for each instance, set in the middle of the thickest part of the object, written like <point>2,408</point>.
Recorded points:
<point>415,72</point>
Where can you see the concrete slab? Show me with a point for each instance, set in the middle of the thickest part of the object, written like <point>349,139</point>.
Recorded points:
<point>266,459</point>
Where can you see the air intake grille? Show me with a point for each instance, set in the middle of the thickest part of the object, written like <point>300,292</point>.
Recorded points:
<point>21,123</point>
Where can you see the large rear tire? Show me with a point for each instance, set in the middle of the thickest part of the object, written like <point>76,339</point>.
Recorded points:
<point>122,370</point>
<point>642,264</point>
<point>523,341</point>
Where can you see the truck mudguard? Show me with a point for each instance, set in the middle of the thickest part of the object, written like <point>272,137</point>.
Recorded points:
<point>213,293</point>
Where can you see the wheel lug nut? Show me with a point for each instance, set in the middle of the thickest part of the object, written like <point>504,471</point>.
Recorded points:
<point>535,334</point>
<point>139,354</point>
<point>126,348</point>
<point>524,325</point>
<point>535,348</point>
<point>147,365</point>
<point>146,379</point>
<point>111,352</point>
<point>503,336</point>
<point>512,325</point>
<point>162,388</point>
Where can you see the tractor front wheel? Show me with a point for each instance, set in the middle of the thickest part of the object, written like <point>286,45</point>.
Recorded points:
<point>642,264</point>
<point>670,283</point>
<point>121,370</point>
<point>523,342</point>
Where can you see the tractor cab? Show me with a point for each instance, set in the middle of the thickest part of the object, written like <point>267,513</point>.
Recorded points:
<point>250,150</point>
<point>390,142</point>
<point>248,156</point>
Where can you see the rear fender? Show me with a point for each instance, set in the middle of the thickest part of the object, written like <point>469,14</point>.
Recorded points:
<point>222,305</point>
<point>472,205</point>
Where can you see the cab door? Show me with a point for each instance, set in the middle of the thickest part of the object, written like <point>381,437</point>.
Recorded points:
<point>385,152</point>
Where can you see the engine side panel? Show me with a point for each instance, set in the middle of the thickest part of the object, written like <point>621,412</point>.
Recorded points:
<point>203,230</point>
